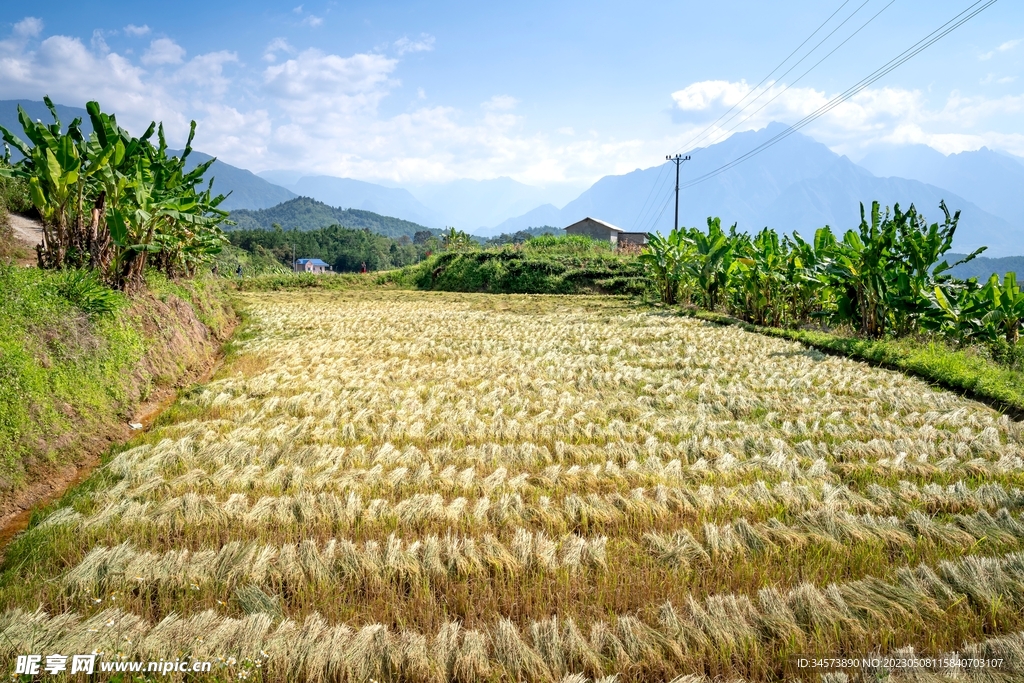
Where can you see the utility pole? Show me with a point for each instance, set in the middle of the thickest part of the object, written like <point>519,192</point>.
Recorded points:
<point>677,159</point>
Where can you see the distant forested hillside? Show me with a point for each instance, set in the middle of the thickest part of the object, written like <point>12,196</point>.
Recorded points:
<point>347,250</point>
<point>308,214</point>
<point>982,267</point>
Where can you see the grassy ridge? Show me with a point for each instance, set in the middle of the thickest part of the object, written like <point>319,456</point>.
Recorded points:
<point>70,376</point>
<point>543,265</point>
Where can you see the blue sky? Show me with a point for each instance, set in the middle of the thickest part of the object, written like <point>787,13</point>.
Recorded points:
<point>547,93</point>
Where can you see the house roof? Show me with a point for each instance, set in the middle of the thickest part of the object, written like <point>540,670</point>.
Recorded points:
<point>312,262</point>
<point>604,223</point>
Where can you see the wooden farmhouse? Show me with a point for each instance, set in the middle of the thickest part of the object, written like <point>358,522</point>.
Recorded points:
<point>598,229</point>
<point>605,232</point>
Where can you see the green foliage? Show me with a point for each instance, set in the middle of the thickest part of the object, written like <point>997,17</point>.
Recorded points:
<point>305,214</point>
<point>891,277</point>
<point>273,282</point>
<point>83,289</point>
<point>75,357</point>
<point>110,201</point>
<point>521,236</point>
<point>457,240</point>
<point>14,197</point>
<point>259,261</point>
<point>543,265</point>
<point>666,260</point>
<point>1005,305</point>
<point>52,356</point>
<point>344,248</point>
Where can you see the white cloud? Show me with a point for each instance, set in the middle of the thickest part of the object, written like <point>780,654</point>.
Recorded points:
<point>991,78</point>
<point>207,71</point>
<point>424,44</point>
<point>71,73</point>
<point>275,46</point>
<point>705,94</point>
<point>314,79</point>
<point>874,115</point>
<point>1005,47</point>
<point>163,51</point>
<point>313,20</point>
<point>29,27</point>
<point>98,42</point>
<point>133,30</point>
<point>324,112</point>
<point>500,103</point>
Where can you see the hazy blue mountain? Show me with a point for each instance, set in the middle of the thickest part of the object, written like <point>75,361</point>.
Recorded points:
<point>906,161</point>
<point>282,178</point>
<point>547,214</point>
<point>798,184</point>
<point>739,195</point>
<point>992,180</point>
<point>357,194</point>
<point>303,213</point>
<point>477,205</point>
<point>982,267</point>
<point>471,205</point>
<point>827,199</point>
<point>248,191</point>
<point>38,112</point>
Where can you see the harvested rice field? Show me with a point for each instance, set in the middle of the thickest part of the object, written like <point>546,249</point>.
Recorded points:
<point>417,486</point>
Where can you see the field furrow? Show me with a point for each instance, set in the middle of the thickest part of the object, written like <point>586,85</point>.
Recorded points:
<point>408,486</point>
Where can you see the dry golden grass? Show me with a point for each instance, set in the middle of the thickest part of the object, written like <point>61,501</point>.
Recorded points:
<point>418,486</point>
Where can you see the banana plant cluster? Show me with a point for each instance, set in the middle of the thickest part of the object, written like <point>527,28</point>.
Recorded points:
<point>887,277</point>
<point>113,202</point>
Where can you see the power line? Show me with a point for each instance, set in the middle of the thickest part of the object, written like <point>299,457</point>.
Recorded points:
<point>642,213</point>
<point>863,26</point>
<point>644,210</point>
<point>668,200</point>
<point>915,49</point>
<point>700,137</point>
<point>800,77</point>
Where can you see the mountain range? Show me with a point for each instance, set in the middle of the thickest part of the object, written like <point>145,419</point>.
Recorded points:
<point>304,213</point>
<point>798,184</point>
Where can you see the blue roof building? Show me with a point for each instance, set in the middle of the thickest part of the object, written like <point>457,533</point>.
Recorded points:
<point>311,265</point>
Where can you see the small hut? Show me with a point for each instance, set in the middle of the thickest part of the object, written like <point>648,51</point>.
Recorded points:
<point>311,265</point>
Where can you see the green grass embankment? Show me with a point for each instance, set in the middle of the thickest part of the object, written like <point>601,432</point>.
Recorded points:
<point>969,371</point>
<point>543,265</point>
<point>75,361</point>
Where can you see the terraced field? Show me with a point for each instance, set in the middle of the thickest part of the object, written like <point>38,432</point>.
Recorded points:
<point>386,485</point>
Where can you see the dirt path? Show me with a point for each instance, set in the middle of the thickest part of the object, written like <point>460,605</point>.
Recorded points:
<point>28,230</point>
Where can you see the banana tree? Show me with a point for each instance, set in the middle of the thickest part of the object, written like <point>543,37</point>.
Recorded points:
<point>665,259</point>
<point>957,311</point>
<point>806,285</point>
<point>1006,305</point>
<point>58,167</point>
<point>860,271</point>
<point>761,274</point>
<point>712,263</point>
